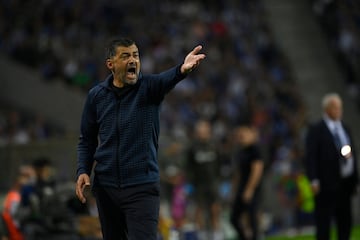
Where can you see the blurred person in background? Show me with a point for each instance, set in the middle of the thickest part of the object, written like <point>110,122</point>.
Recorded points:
<point>203,173</point>
<point>331,166</point>
<point>120,130</point>
<point>34,211</point>
<point>247,181</point>
<point>11,206</point>
<point>45,178</point>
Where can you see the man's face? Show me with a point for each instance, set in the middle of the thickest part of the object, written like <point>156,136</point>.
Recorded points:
<point>125,65</point>
<point>244,136</point>
<point>334,110</point>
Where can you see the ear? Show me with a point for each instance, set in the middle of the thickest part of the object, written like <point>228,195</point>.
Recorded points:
<point>109,64</point>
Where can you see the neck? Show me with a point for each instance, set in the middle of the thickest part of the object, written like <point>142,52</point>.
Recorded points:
<point>118,83</point>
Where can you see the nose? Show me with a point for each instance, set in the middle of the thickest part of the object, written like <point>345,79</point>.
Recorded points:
<point>132,59</point>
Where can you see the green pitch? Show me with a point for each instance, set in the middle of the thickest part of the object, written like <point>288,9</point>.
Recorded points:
<point>354,236</point>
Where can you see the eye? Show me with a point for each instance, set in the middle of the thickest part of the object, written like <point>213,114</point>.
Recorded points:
<point>124,56</point>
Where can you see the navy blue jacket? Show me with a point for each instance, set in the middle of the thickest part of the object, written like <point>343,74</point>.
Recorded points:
<point>120,131</point>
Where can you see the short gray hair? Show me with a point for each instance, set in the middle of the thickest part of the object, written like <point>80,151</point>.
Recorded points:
<point>328,98</point>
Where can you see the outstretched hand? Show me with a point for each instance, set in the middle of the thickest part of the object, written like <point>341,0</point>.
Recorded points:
<point>192,60</point>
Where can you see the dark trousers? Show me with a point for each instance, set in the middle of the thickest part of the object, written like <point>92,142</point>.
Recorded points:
<point>240,209</point>
<point>334,207</point>
<point>130,213</point>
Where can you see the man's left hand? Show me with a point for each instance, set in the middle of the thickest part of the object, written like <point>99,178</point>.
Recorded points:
<point>192,60</point>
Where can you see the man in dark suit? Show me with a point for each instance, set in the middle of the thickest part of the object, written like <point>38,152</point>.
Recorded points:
<point>330,162</point>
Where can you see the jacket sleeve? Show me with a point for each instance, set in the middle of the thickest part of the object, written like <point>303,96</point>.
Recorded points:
<point>160,84</point>
<point>354,154</point>
<point>88,140</point>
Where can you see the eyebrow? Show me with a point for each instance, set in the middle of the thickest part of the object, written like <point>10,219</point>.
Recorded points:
<point>129,52</point>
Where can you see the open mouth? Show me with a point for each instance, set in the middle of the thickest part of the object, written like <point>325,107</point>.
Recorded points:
<point>131,71</point>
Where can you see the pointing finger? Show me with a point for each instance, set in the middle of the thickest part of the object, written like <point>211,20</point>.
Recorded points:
<point>197,49</point>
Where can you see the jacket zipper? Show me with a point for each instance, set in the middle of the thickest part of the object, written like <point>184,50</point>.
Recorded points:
<point>117,159</point>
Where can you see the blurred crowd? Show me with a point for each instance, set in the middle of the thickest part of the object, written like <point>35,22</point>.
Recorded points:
<point>245,79</point>
<point>20,127</point>
<point>341,23</point>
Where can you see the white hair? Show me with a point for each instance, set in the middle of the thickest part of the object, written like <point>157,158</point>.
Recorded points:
<point>328,98</point>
